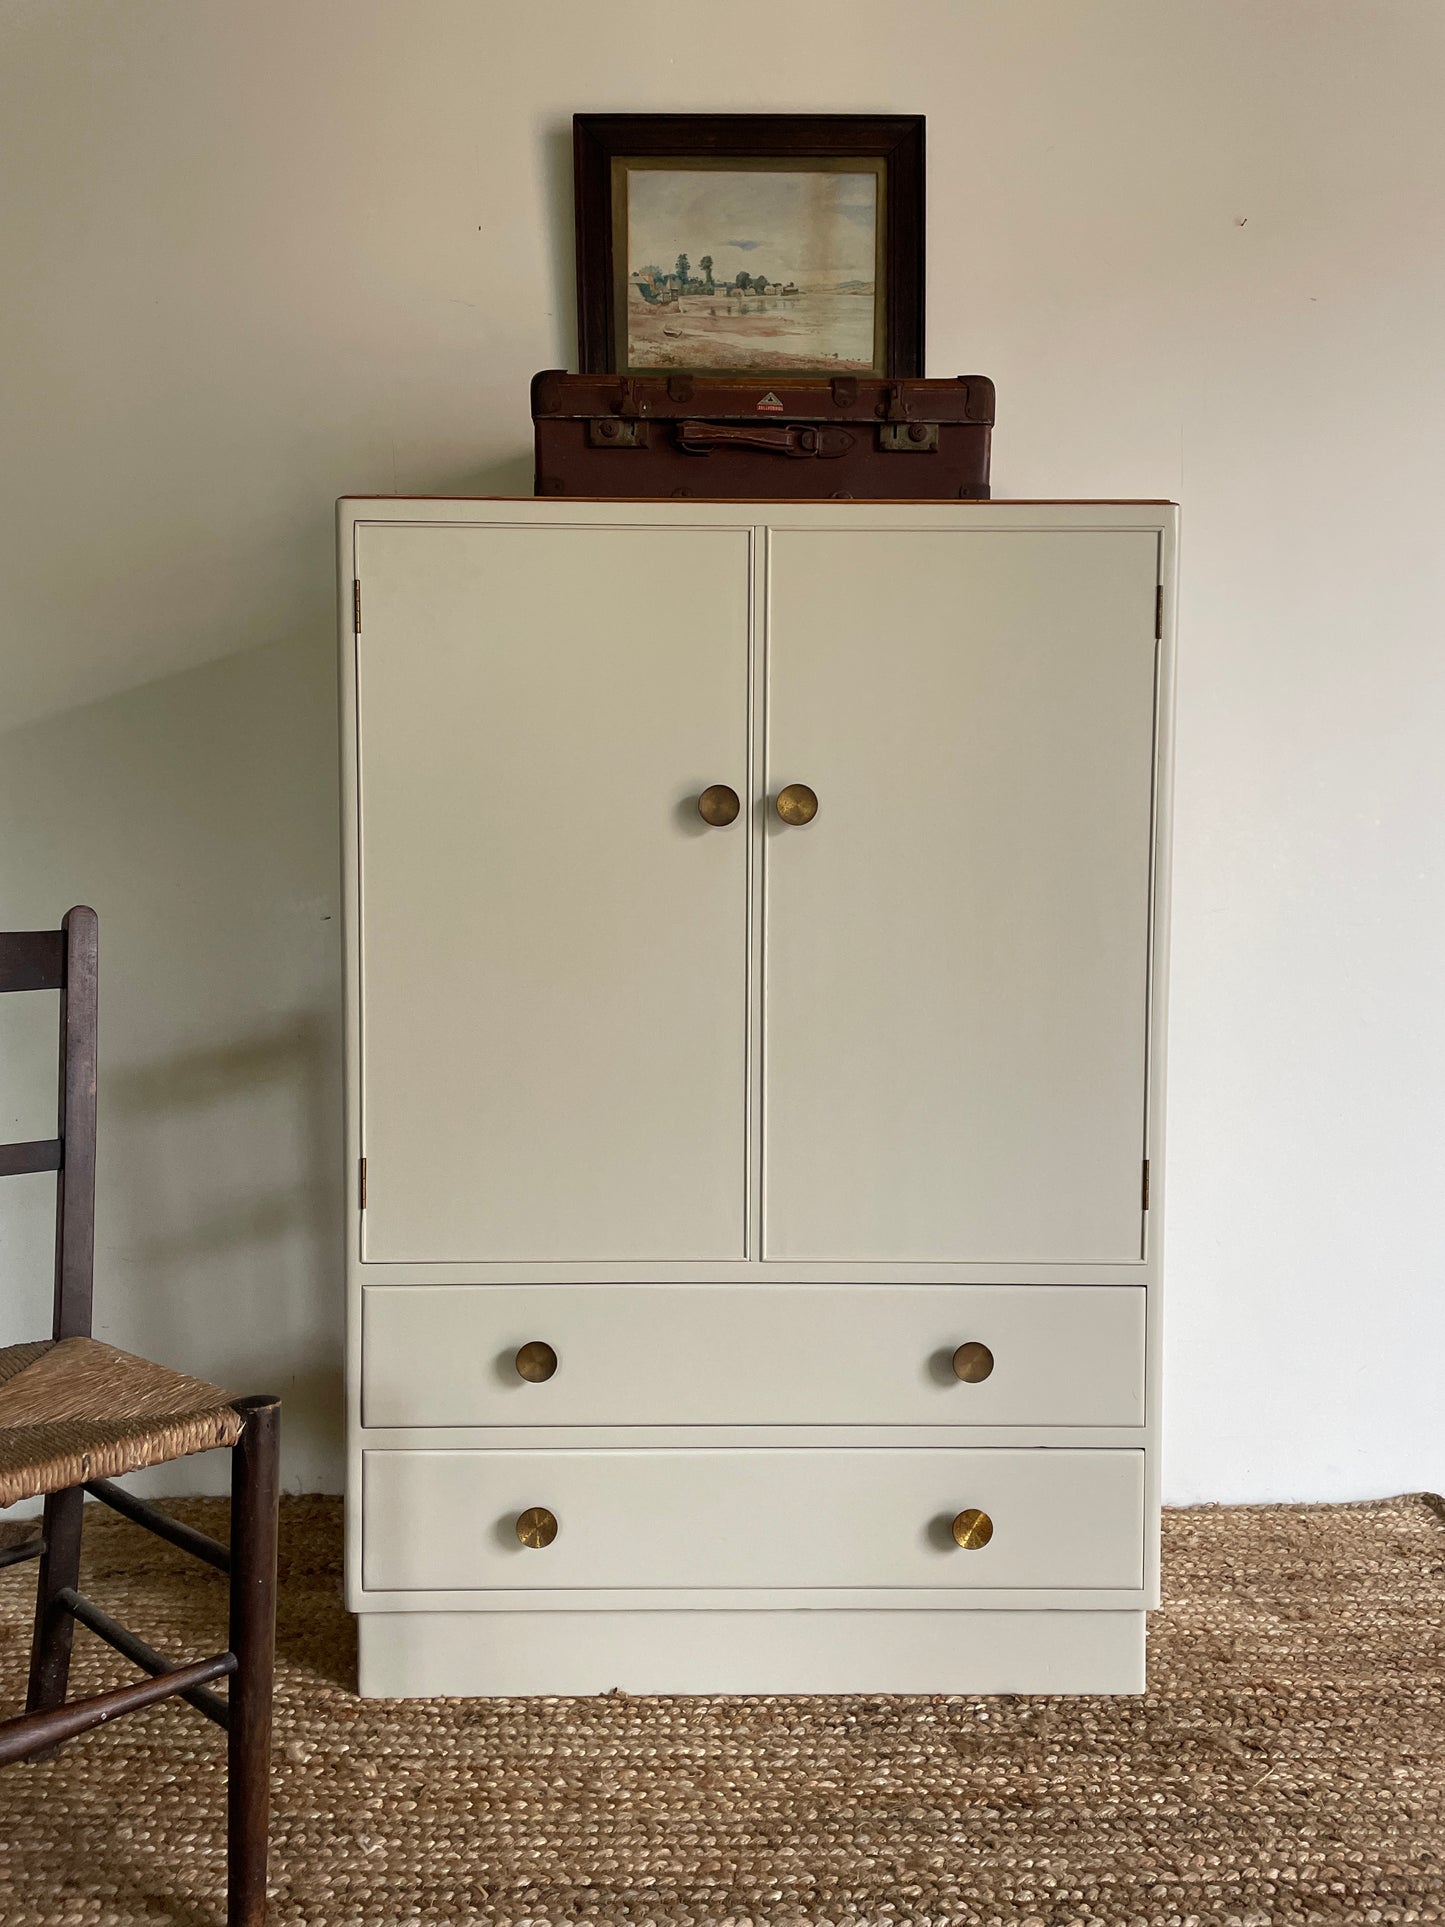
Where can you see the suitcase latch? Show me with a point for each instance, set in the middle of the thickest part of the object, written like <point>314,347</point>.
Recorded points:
<point>908,438</point>
<point>610,431</point>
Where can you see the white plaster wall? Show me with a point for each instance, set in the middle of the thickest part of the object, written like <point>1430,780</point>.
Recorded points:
<point>252,257</point>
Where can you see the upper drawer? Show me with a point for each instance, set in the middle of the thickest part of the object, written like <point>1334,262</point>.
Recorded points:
<point>754,1355</point>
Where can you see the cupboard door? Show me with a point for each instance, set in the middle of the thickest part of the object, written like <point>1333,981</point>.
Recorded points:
<point>957,945</point>
<point>553,943</point>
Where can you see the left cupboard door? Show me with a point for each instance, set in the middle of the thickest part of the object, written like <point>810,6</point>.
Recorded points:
<point>553,943</point>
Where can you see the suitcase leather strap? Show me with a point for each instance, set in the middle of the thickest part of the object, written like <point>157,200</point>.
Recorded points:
<point>700,438</point>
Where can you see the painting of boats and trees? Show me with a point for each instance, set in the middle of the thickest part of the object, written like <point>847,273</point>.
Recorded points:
<point>732,269</point>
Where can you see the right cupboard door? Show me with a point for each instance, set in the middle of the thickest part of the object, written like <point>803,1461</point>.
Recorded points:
<point>957,944</point>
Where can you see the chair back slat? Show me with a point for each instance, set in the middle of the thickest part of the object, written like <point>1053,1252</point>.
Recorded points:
<point>64,960</point>
<point>42,1154</point>
<point>32,959</point>
<point>75,1193</point>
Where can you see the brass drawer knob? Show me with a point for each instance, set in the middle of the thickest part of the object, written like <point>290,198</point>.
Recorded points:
<point>718,805</point>
<point>536,1361</point>
<point>972,1529</point>
<point>797,804</point>
<point>537,1527</point>
<point>972,1363</point>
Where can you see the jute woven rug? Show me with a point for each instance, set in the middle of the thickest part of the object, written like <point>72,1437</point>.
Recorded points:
<point>1287,1765</point>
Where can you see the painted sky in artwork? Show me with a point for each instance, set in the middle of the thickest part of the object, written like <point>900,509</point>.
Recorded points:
<point>817,229</point>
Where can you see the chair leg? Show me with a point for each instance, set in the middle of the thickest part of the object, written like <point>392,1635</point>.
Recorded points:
<point>54,1627</point>
<point>255,1490</point>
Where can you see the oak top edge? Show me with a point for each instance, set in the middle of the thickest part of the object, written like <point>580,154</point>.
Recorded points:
<point>794,502</point>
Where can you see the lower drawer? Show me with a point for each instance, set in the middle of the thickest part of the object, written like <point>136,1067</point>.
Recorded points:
<point>754,1354</point>
<point>739,1518</point>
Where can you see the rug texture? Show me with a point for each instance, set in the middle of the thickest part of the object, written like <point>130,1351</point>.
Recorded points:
<point>1287,1765</point>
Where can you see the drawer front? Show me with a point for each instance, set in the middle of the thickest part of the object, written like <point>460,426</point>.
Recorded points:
<point>723,1518</point>
<point>754,1355</point>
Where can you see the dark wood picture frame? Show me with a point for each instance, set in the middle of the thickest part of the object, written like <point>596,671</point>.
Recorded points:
<point>895,140</point>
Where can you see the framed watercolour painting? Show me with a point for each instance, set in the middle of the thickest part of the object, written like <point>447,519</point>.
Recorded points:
<point>788,244</point>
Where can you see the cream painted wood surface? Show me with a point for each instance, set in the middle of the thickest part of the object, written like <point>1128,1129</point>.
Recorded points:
<point>553,945</point>
<point>957,946</point>
<point>752,1355</point>
<point>416,1655</point>
<point>909,1044</point>
<point>444,1520</point>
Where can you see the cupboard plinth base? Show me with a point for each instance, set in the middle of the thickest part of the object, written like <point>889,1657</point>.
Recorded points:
<point>482,1654</point>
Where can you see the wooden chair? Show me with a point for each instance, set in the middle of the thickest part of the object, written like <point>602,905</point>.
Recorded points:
<point>76,1413</point>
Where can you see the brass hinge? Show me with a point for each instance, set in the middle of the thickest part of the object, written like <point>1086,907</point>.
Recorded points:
<point>356,607</point>
<point>1144,1200</point>
<point>363,1183</point>
<point>1158,610</point>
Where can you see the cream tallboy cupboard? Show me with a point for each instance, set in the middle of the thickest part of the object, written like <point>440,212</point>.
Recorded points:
<point>755,935</point>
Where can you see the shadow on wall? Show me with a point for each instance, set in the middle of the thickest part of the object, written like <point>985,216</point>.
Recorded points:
<point>198,813</point>
<point>262,1232</point>
<point>185,1091</point>
<point>558,155</point>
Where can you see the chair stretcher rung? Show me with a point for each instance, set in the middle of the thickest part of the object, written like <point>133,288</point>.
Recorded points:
<point>140,1654</point>
<point>37,1732</point>
<point>27,1549</point>
<point>140,1512</point>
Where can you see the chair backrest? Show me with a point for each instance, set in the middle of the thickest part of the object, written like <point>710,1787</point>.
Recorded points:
<point>64,960</point>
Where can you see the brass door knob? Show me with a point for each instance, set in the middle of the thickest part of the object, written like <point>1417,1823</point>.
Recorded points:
<point>537,1527</point>
<point>972,1529</point>
<point>536,1361</point>
<point>797,803</point>
<point>972,1363</point>
<point>718,805</point>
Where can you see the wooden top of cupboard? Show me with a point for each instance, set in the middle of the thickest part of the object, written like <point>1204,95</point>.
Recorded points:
<point>830,501</point>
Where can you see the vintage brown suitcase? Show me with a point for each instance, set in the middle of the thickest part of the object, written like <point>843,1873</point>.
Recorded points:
<point>850,437</point>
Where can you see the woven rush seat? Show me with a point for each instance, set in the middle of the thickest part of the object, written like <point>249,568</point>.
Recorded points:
<point>74,1409</point>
